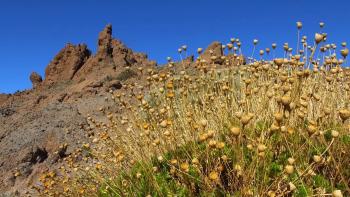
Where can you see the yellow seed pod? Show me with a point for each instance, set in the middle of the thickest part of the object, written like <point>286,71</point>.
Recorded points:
<point>337,193</point>
<point>274,127</point>
<point>214,176</point>
<point>344,114</point>
<point>185,166</point>
<point>317,158</point>
<point>173,161</point>
<point>291,186</point>
<point>311,129</point>
<point>261,147</point>
<point>344,52</point>
<point>203,122</point>
<point>299,25</point>
<point>278,117</point>
<point>286,100</point>
<point>289,169</point>
<point>235,131</point>
<point>335,133</point>
<point>195,161</point>
<point>318,38</point>
<point>220,145</point>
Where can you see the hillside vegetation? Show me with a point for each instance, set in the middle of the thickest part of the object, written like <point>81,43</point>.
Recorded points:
<point>223,126</point>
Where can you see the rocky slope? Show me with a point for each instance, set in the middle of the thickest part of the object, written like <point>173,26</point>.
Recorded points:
<point>41,126</point>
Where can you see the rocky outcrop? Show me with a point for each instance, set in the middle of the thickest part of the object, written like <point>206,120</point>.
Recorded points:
<point>35,124</point>
<point>66,63</point>
<point>36,79</point>
<point>108,47</point>
<point>111,53</point>
<point>104,45</point>
<point>213,50</point>
<point>122,55</point>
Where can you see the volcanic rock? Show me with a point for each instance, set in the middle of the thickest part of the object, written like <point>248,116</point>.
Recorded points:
<point>111,55</point>
<point>122,55</point>
<point>36,79</point>
<point>66,63</point>
<point>214,49</point>
<point>36,123</point>
<point>104,45</point>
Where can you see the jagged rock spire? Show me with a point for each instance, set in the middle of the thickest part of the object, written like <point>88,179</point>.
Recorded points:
<point>105,42</point>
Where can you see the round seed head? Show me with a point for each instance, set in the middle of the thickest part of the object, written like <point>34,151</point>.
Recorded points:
<point>261,147</point>
<point>291,186</point>
<point>199,50</point>
<point>278,116</point>
<point>344,52</point>
<point>289,169</point>
<point>214,176</point>
<point>261,52</point>
<point>286,100</point>
<point>291,160</point>
<point>203,122</point>
<point>319,38</point>
<point>160,158</point>
<point>311,129</point>
<point>185,166</point>
<point>299,25</point>
<point>278,61</point>
<point>195,161</point>
<point>335,133</point>
<point>317,158</point>
<point>163,124</point>
<point>337,193</point>
<point>274,45</point>
<point>321,24</point>
<point>235,131</point>
<point>344,114</point>
<point>245,119</point>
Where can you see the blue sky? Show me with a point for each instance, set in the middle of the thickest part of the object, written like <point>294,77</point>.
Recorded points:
<point>33,31</point>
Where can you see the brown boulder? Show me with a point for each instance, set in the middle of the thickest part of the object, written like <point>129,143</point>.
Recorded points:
<point>36,79</point>
<point>214,49</point>
<point>66,63</point>
<point>113,85</point>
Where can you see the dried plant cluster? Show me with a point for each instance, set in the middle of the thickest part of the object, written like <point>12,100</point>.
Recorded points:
<point>267,128</point>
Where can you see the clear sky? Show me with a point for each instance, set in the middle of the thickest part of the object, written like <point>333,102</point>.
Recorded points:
<point>33,31</point>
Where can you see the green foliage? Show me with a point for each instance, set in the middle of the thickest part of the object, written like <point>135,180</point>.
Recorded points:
<point>345,139</point>
<point>302,191</point>
<point>275,169</point>
<point>328,135</point>
<point>321,181</point>
<point>126,74</point>
<point>160,183</point>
